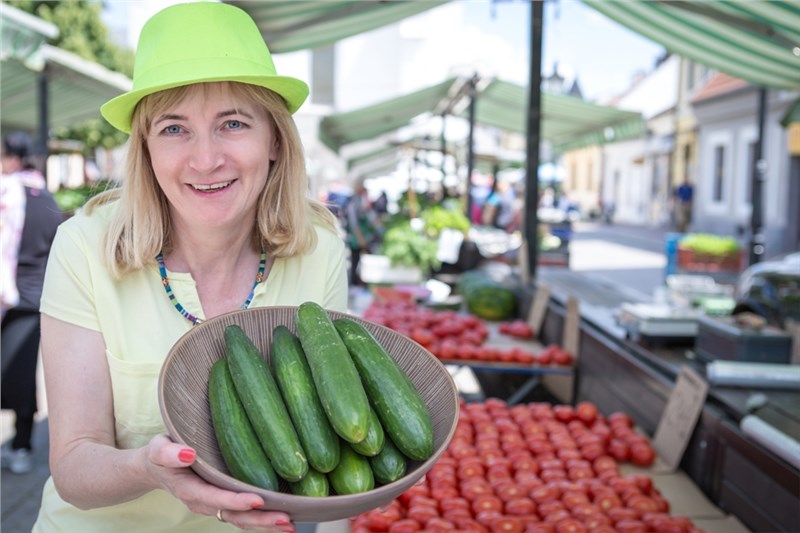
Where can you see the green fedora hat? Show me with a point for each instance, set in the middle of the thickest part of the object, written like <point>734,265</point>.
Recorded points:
<point>200,42</point>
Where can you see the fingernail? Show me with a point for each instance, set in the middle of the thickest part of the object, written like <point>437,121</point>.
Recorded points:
<point>256,505</point>
<point>282,522</point>
<point>186,455</point>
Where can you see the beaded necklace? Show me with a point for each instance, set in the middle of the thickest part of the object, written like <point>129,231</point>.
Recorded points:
<point>162,268</point>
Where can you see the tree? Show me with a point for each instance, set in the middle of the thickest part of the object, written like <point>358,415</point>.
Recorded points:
<point>83,32</point>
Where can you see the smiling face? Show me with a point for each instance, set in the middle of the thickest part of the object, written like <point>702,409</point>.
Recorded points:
<point>211,153</point>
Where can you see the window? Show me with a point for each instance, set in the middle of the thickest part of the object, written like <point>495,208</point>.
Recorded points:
<point>719,173</point>
<point>748,183</point>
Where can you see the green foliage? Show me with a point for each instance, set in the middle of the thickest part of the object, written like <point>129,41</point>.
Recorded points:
<point>71,199</point>
<point>83,33</point>
<point>404,246</point>
<point>437,218</point>
<point>707,243</point>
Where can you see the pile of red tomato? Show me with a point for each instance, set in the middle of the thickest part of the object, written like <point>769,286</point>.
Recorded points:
<point>452,336</point>
<point>533,468</point>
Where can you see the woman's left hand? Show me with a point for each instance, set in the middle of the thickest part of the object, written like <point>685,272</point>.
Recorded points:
<point>169,463</point>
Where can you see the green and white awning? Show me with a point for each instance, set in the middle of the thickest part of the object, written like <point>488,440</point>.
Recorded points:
<point>567,122</point>
<point>291,25</point>
<point>754,40</point>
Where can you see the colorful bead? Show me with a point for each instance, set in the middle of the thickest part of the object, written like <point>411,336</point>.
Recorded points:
<point>162,268</point>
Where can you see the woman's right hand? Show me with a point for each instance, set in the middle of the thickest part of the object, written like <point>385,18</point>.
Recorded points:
<point>169,464</point>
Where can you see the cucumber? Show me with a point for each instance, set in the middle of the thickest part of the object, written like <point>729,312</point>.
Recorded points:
<point>335,376</point>
<point>399,406</point>
<point>389,465</point>
<point>319,440</point>
<point>373,442</point>
<point>313,484</point>
<point>264,406</point>
<point>353,473</point>
<point>235,435</point>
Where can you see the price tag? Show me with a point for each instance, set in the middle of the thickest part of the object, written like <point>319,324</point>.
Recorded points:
<point>572,327</point>
<point>793,328</point>
<point>680,416</point>
<point>522,263</point>
<point>538,308</point>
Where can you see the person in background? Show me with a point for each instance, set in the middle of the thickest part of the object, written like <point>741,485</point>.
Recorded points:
<point>683,203</point>
<point>30,217</point>
<point>213,216</point>
<point>363,228</point>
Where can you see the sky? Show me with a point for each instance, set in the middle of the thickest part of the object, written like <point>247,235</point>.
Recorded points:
<point>493,37</point>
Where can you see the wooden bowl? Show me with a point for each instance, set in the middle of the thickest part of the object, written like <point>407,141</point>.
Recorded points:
<point>183,399</point>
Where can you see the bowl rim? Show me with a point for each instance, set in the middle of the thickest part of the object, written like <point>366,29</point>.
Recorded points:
<point>270,496</point>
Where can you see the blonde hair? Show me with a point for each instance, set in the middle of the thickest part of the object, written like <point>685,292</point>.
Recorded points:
<point>141,225</point>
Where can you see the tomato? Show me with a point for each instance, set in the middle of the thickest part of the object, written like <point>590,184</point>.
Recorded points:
<point>508,490</point>
<point>486,518</point>
<point>439,524</point>
<point>545,493</point>
<point>642,505</point>
<point>617,514</point>
<point>442,492</point>
<point>552,474</point>
<point>619,450</point>
<point>570,499</point>
<point>422,513</point>
<point>454,515</point>
<point>580,472</point>
<point>592,451</point>
<point>548,508</point>
<point>454,502</point>
<point>564,413</point>
<point>586,412</point>
<point>645,483</point>
<point>607,500</point>
<point>520,506</point>
<point>557,516</point>
<point>618,417</point>
<point>523,356</point>
<point>475,488</point>
<point>381,520</point>
<point>544,358</point>
<point>487,503</point>
<point>642,454</point>
<point>470,525</point>
<point>507,524</point>
<point>563,358</point>
<point>422,500</point>
<point>570,525</point>
<point>421,490</point>
<point>630,526</point>
<point>604,462</point>
<point>540,527</point>
<point>405,525</point>
<point>470,470</point>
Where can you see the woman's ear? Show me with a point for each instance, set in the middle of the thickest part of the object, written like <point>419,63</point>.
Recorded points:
<point>273,152</point>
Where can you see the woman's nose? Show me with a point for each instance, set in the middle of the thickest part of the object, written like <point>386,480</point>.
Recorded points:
<point>207,154</point>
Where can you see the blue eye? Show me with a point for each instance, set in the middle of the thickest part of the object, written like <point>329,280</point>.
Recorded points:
<point>172,130</point>
<point>235,124</point>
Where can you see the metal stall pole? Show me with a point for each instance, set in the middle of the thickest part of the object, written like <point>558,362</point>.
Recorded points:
<point>533,132</point>
<point>756,184</point>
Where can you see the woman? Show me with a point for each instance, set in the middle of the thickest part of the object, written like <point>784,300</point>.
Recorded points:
<point>212,217</point>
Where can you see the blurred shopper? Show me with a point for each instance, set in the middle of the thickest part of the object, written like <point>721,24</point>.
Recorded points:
<point>363,229</point>
<point>683,204</point>
<point>30,217</point>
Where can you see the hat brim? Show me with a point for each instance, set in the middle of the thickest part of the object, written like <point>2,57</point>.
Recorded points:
<point>119,110</point>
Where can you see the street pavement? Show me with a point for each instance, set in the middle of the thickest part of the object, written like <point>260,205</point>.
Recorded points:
<point>608,265</point>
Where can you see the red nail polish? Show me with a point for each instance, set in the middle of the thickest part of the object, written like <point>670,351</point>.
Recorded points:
<point>186,455</point>
<point>282,522</point>
<point>256,506</point>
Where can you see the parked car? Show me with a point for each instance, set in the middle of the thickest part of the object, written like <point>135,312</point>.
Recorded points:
<point>771,289</point>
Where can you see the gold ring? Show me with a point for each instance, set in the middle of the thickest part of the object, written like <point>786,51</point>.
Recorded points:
<point>219,516</point>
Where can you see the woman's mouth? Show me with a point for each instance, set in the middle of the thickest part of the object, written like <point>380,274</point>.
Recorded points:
<point>210,187</point>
